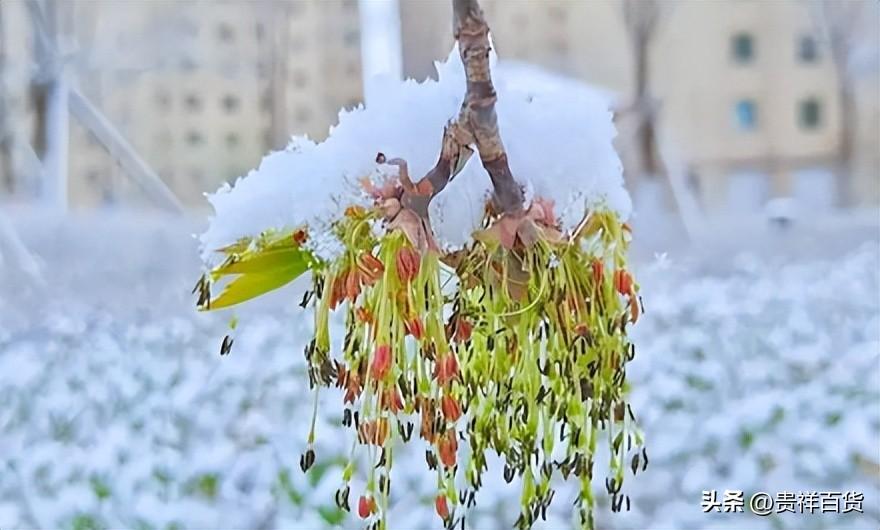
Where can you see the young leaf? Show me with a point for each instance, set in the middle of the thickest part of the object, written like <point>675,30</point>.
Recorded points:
<point>254,284</point>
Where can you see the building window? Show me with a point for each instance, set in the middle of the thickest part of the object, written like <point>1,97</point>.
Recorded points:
<point>230,103</point>
<point>808,49</point>
<point>303,114</point>
<point>810,114</point>
<point>268,139</point>
<point>225,32</point>
<point>193,103</point>
<point>300,79</point>
<point>559,46</point>
<point>232,140</point>
<point>746,115</point>
<point>194,138</point>
<point>163,100</point>
<point>743,48</point>
<point>266,101</point>
<point>556,13</point>
<point>353,69</point>
<point>352,38</point>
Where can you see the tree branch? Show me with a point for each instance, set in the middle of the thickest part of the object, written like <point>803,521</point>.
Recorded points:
<point>477,123</point>
<point>478,109</point>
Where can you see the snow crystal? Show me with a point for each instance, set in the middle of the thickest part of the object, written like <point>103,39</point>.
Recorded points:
<point>558,134</point>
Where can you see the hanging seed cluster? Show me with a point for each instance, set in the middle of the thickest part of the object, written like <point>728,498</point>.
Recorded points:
<point>524,355</point>
<point>530,364</point>
<point>543,356</point>
<point>396,359</point>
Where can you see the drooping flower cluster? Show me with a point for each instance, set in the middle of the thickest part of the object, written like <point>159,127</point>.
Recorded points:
<point>525,355</point>
<point>544,362</point>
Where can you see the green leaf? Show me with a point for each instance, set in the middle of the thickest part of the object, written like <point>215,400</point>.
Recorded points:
<point>252,285</point>
<point>261,261</point>
<point>263,264</point>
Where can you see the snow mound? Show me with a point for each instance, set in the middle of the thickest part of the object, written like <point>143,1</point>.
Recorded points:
<point>558,134</point>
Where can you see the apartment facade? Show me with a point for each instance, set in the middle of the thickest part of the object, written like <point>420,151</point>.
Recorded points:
<point>746,90</point>
<point>202,89</point>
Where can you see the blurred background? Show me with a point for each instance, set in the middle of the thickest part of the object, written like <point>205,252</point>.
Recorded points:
<point>741,101</point>
<point>749,132</point>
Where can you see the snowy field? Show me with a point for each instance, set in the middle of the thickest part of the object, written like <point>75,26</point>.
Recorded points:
<point>755,371</point>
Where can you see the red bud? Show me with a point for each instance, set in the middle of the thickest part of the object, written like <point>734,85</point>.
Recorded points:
<point>451,409</point>
<point>366,506</point>
<point>448,448</point>
<point>623,281</point>
<point>392,401</point>
<point>463,329</point>
<point>442,507</point>
<point>598,271</point>
<point>381,364</point>
<point>300,237</point>
<point>415,328</point>
<point>408,263</point>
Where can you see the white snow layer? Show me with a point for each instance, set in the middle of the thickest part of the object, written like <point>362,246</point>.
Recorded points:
<point>558,134</point>
<point>118,412</point>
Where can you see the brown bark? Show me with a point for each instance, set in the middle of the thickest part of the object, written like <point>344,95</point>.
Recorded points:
<point>641,18</point>
<point>845,29</point>
<point>277,40</point>
<point>841,50</point>
<point>478,109</point>
<point>846,143</point>
<point>7,179</point>
<point>477,123</point>
<point>647,142</point>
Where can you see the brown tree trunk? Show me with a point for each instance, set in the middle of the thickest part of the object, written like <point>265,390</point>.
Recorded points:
<point>646,138</point>
<point>846,141</point>
<point>275,17</point>
<point>7,179</point>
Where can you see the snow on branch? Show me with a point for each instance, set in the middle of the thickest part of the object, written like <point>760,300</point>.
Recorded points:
<point>557,145</point>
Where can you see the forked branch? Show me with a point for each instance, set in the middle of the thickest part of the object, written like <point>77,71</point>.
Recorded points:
<point>478,109</point>
<point>476,124</point>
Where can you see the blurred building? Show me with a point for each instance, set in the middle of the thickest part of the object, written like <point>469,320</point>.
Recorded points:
<point>746,90</point>
<point>201,89</point>
<point>16,48</point>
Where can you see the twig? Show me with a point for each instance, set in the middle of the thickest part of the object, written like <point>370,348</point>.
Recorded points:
<point>478,109</point>
<point>477,123</point>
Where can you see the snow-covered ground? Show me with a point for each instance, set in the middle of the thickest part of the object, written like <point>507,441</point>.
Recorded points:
<point>756,371</point>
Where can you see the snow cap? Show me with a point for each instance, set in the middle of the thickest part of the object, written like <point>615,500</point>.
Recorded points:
<point>557,132</point>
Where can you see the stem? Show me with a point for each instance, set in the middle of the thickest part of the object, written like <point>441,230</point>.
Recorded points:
<point>477,123</point>
<point>478,109</point>
<point>314,416</point>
